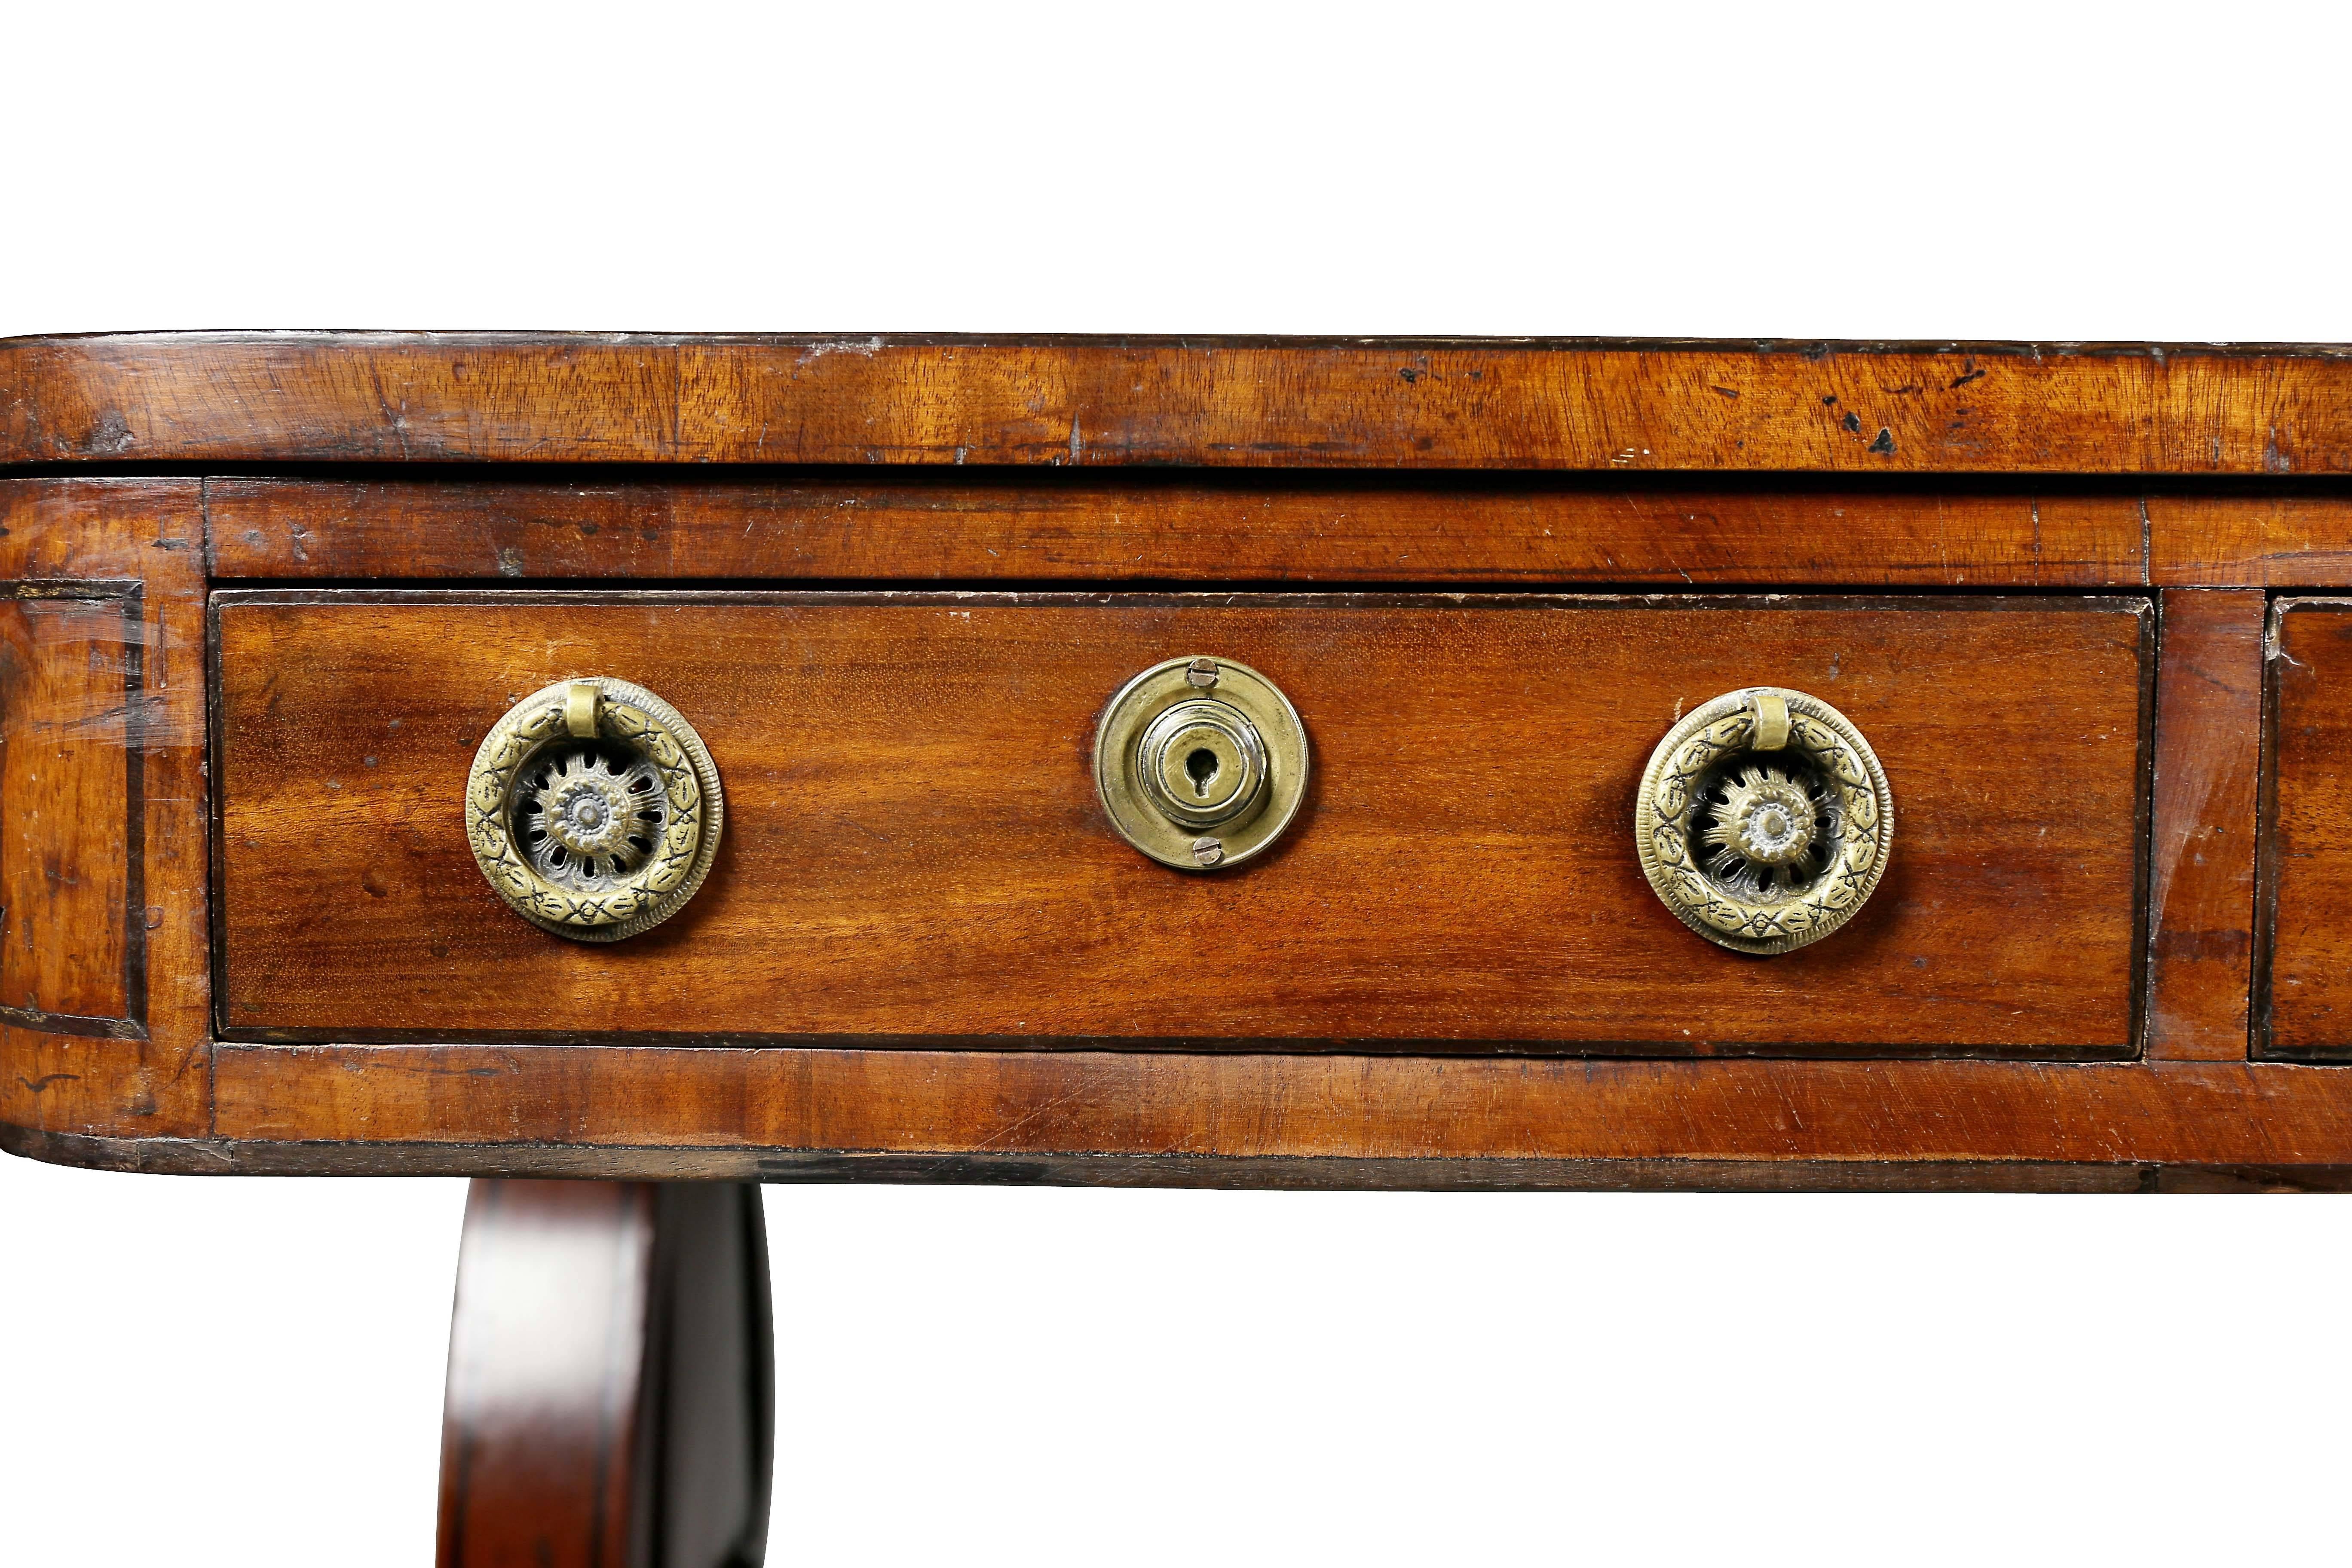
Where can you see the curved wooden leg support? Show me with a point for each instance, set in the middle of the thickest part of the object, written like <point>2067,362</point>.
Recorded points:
<point>611,1400</point>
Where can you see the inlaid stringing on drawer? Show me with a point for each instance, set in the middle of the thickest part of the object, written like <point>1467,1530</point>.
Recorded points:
<point>915,853</point>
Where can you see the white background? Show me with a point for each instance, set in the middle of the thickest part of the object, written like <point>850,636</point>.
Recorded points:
<point>247,1372</point>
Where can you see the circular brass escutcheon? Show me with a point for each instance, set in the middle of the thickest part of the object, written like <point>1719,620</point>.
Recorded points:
<point>1765,820</point>
<point>594,810</point>
<point>1201,762</point>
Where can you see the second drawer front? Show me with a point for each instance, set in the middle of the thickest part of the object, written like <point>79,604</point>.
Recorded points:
<point>914,853</point>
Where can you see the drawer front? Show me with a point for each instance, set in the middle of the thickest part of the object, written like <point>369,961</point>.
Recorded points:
<point>915,853</point>
<point>2306,872</point>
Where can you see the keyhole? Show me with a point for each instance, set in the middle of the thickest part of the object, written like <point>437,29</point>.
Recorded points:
<point>1203,765</point>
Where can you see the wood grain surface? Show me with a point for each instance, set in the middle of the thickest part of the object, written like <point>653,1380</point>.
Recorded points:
<point>72,952</point>
<point>1373,1005</point>
<point>1228,528</point>
<point>2208,711</point>
<point>1220,528</point>
<point>2274,537</point>
<point>640,1103</point>
<point>1167,1168</point>
<point>302,398</point>
<point>543,1420</point>
<point>2306,996</point>
<point>914,851</point>
<point>610,1394</point>
<point>102,693</point>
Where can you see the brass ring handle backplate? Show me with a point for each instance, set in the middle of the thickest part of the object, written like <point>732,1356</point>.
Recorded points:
<point>1765,820</point>
<point>1201,762</point>
<point>595,809</point>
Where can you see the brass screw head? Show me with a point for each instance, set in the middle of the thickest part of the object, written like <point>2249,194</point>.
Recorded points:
<point>1201,672</point>
<point>1208,851</point>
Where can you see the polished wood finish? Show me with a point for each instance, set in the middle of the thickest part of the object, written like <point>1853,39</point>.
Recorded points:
<point>106,1029</point>
<point>1194,527</point>
<point>2308,859</point>
<point>2202,860</point>
<point>1179,1110</point>
<point>68,687</point>
<point>610,1401</point>
<point>2291,538</point>
<point>915,852</point>
<point>2199,480</point>
<point>1445,1173</point>
<point>1211,526</point>
<point>306,397</point>
<point>2048,582</point>
<point>539,1426</point>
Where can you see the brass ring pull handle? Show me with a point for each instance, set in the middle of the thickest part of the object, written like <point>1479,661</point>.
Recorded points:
<point>1201,762</point>
<point>1764,820</point>
<point>595,809</point>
